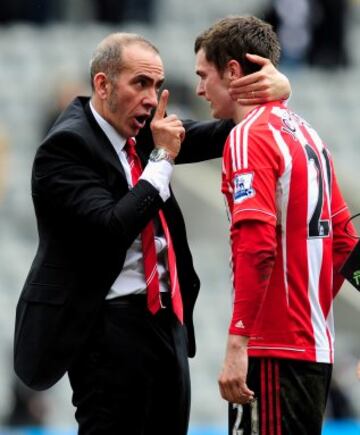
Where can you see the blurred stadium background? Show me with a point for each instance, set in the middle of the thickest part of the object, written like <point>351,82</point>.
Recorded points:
<point>45,47</point>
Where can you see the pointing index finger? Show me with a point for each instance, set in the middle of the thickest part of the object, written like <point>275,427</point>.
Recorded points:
<point>161,107</point>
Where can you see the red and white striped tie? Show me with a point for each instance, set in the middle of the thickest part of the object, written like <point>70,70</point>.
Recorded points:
<point>149,250</point>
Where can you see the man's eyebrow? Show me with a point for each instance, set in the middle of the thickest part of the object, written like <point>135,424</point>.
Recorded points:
<point>160,83</point>
<point>143,76</point>
<point>149,79</point>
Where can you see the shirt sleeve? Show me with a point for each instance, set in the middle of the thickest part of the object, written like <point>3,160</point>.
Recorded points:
<point>343,229</point>
<point>252,173</point>
<point>159,175</point>
<point>253,246</point>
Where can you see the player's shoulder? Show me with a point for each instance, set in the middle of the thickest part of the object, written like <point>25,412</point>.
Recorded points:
<point>261,116</point>
<point>259,125</point>
<point>285,117</point>
<point>276,113</point>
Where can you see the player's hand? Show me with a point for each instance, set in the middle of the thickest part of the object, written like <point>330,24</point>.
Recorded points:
<point>232,379</point>
<point>263,86</point>
<point>168,131</point>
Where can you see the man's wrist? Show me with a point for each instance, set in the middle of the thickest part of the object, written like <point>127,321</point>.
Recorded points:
<point>159,175</point>
<point>237,341</point>
<point>158,154</point>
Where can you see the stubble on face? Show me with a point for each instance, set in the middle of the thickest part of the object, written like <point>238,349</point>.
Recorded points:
<point>113,98</point>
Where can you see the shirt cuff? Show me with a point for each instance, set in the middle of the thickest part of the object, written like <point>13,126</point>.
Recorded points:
<point>158,174</point>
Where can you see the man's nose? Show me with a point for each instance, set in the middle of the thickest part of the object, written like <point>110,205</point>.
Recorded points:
<point>200,90</point>
<point>152,98</point>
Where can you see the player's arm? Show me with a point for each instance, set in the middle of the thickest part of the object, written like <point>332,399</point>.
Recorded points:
<point>253,249</point>
<point>343,243</point>
<point>267,84</point>
<point>204,140</point>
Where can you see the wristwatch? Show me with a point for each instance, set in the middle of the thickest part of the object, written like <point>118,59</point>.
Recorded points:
<point>158,154</point>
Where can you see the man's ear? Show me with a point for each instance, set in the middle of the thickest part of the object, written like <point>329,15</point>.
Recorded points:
<point>234,69</point>
<point>102,85</point>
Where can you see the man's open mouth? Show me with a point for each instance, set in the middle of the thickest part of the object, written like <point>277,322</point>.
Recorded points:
<point>141,119</point>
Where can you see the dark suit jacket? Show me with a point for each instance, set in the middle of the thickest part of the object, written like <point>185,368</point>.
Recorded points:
<point>87,219</point>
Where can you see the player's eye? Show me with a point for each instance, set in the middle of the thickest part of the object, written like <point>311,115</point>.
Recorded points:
<point>142,82</point>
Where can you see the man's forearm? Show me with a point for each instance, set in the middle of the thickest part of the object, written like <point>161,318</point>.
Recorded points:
<point>253,246</point>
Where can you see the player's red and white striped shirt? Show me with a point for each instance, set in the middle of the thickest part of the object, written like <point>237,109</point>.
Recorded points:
<point>277,170</point>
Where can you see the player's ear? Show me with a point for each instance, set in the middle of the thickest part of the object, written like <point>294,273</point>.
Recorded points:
<point>234,69</point>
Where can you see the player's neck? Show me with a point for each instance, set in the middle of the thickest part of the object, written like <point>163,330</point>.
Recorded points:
<point>241,112</point>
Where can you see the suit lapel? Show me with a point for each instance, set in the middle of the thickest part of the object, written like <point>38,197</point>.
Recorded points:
<point>104,145</point>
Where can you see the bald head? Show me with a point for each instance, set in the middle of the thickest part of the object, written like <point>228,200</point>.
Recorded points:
<point>108,55</point>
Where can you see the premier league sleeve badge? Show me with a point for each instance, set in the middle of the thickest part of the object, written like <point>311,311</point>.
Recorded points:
<point>243,188</point>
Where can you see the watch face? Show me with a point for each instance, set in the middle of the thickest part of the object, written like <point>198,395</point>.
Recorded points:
<point>159,154</point>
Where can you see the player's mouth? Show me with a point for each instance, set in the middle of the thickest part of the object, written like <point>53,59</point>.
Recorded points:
<point>140,120</point>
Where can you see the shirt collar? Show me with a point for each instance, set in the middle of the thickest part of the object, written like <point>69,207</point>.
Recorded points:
<point>117,141</point>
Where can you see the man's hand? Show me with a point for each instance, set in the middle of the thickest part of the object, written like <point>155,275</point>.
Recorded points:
<point>168,131</point>
<point>263,86</point>
<point>232,379</point>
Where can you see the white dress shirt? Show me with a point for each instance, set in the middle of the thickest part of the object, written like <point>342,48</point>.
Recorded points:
<point>131,279</point>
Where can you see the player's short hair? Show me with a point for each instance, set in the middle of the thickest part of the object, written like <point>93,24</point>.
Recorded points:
<point>108,58</point>
<point>234,36</point>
